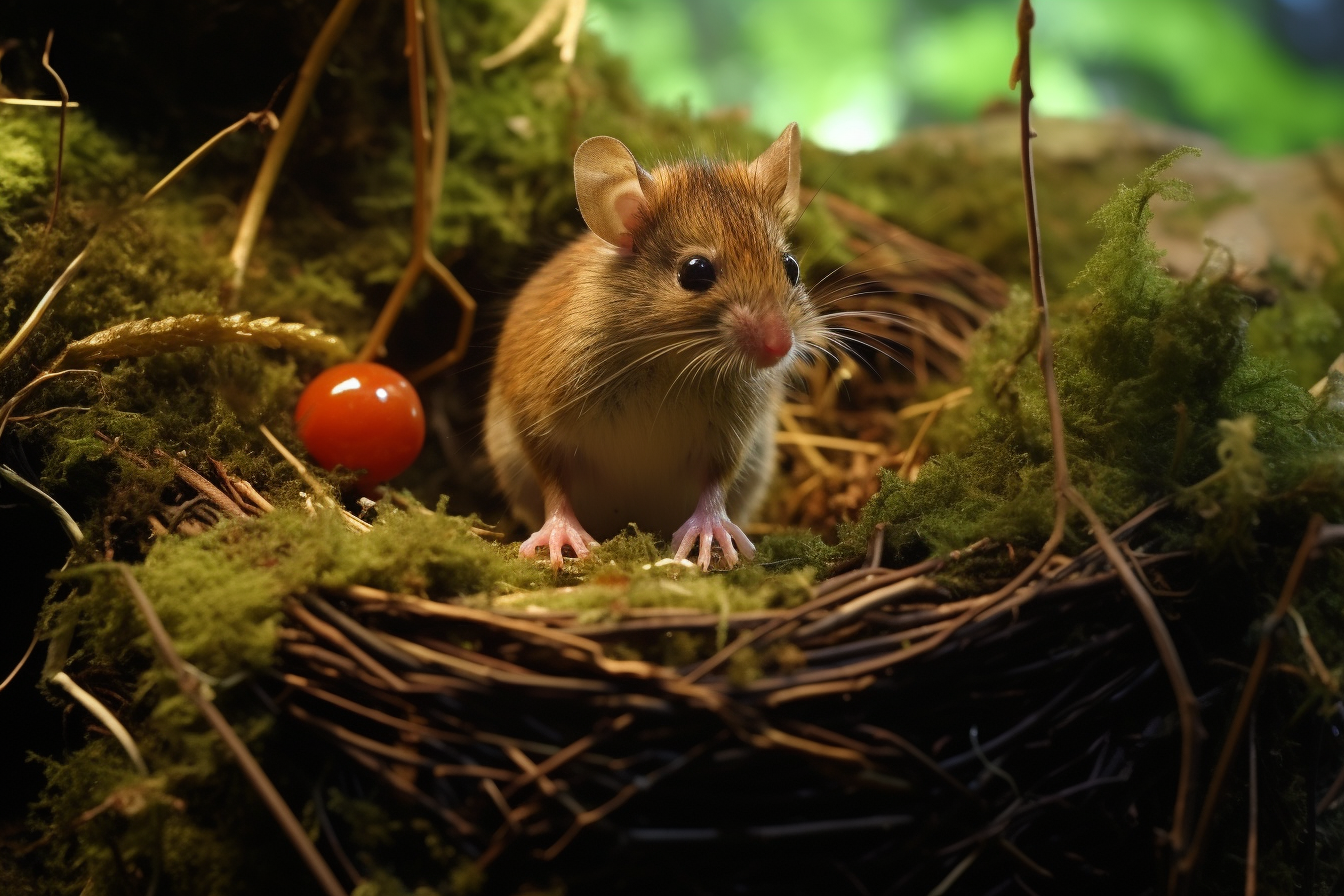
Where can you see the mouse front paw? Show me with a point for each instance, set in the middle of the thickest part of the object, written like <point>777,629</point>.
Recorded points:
<point>707,525</point>
<point>560,530</point>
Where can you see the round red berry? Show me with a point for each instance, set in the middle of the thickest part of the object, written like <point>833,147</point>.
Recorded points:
<point>362,416</point>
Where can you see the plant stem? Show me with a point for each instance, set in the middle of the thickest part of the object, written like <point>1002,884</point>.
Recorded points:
<point>309,74</point>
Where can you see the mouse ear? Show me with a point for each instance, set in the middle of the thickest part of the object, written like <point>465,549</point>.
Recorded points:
<point>777,172</point>
<point>611,189</point>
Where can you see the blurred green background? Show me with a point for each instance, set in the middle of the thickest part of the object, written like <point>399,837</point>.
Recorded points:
<point>1264,76</point>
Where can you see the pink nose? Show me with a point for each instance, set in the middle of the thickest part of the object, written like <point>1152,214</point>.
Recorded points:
<point>770,341</point>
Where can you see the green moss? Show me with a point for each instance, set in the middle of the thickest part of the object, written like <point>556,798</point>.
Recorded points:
<point>783,551</point>
<point>1148,368</point>
<point>1304,327</point>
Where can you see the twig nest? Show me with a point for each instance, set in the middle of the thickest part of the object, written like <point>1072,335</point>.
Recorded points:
<point>362,416</point>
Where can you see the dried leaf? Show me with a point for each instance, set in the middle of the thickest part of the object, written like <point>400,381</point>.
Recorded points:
<point>151,337</point>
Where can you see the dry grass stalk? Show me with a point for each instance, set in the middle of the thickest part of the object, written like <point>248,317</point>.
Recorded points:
<point>140,338</point>
<point>22,660</point>
<point>288,126</point>
<point>323,494</point>
<point>104,715</point>
<point>567,40</point>
<point>49,104</point>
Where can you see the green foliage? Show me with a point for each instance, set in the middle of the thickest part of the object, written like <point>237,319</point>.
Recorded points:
<point>855,74</point>
<point>1149,371</point>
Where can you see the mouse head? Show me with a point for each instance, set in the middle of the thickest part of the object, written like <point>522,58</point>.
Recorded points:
<point>701,247</point>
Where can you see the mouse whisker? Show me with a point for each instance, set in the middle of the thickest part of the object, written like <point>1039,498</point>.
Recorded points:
<point>899,321</point>
<point>872,248</point>
<point>588,391</point>
<point>685,376</point>
<point>860,338</point>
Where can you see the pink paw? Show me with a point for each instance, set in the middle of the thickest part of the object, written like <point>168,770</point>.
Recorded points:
<point>559,531</point>
<point>709,524</point>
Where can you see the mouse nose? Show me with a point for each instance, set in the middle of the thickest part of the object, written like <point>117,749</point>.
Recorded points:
<point>767,339</point>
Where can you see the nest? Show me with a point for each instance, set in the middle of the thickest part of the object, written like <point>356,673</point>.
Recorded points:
<point>911,308</point>
<point>891,732</point>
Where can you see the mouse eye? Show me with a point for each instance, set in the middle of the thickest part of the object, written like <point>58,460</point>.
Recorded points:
<point>791,269</point>
<point>696,274</point>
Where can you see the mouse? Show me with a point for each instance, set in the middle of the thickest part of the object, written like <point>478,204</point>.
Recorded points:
<point>639,371</point>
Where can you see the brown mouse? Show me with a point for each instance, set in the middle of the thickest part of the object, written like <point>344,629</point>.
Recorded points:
<point>639,370</point>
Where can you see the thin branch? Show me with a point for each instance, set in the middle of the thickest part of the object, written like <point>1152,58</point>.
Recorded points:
<point>309,74</point>
<point>205,487</point>
<point>60,142</point>
<point>264,118</point>
<point>545,17</point>
<point>22,662</point>
<point>1190,859</point>
<point>7,409</point>
<point>190,686</point>
<point>1187,704</point>
<point>38,312</point>
<point>1252,812</point>
<point>430,149</point>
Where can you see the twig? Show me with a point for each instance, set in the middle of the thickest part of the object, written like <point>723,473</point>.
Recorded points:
<point>8,407</point>
<point>40,310</point>
<point>957,871</point>
<point>60,142</point>
<point>427,183</point>
<point>19,668</point>
<point>825,598</point>
<point>329,831</point>
<point>206,488</point>
<point>1252,811</point>
<point>876,541</point>
<point>263,118</point>
<point>309,74</point>
<point>443,91</point>
<point>1318,666</point>
<point>322,493</point>
<point>1188,861</point>
<point>190,686</point>
<point>104,715</point>
<point>254,496</point>
<point>1187,705</point>
<point>592,816</point>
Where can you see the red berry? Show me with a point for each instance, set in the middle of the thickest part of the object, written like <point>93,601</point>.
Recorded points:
<point>363,417</point>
